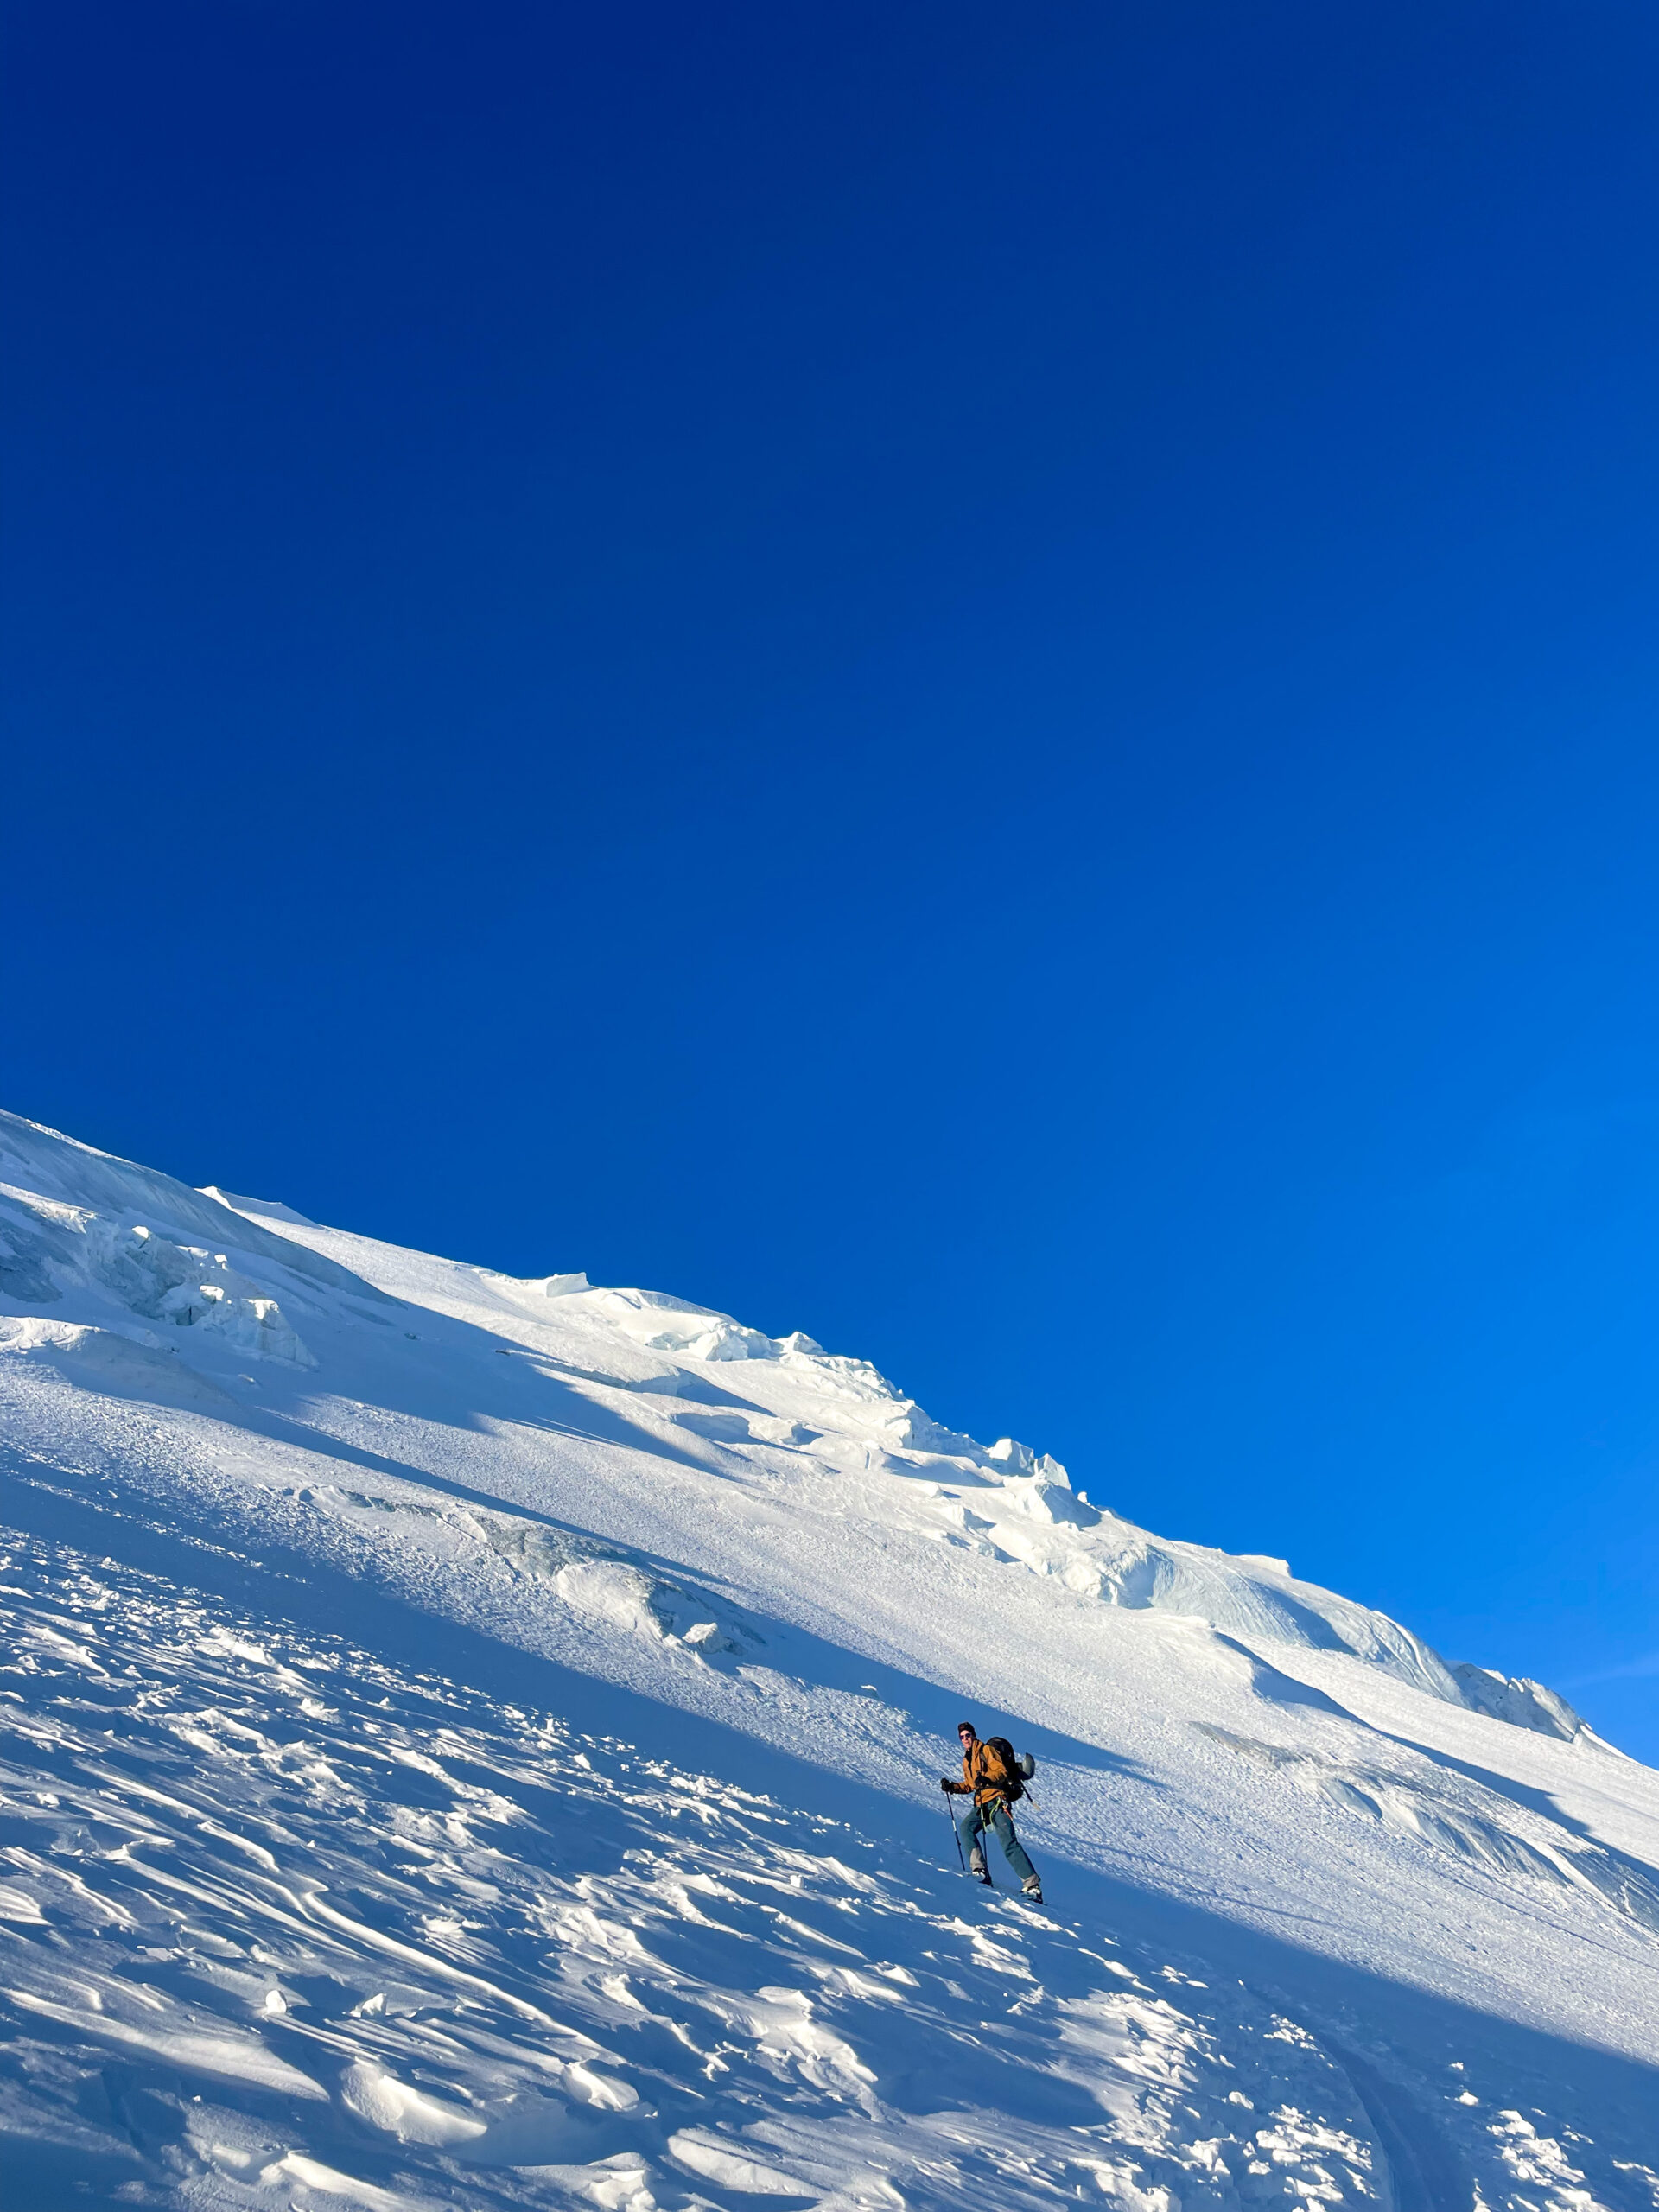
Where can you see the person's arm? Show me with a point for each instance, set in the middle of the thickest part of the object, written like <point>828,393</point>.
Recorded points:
<point>956,1789</point>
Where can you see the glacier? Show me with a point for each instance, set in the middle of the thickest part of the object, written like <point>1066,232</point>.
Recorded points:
<point>475,1742</point>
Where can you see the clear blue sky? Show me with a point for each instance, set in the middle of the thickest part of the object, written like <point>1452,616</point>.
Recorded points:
<point>978,679</point>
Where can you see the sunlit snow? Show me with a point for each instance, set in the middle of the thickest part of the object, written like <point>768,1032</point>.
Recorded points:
<point>471,1742</point>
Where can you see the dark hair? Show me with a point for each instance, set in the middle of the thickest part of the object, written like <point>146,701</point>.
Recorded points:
<point>969,1725</point>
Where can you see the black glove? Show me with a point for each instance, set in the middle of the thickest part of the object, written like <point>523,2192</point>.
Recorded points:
<point>944,1782</point>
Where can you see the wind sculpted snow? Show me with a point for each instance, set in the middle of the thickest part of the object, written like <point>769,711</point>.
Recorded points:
<point>477,1742</point>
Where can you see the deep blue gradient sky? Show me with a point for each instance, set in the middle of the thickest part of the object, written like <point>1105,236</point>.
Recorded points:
<point>980,680</point>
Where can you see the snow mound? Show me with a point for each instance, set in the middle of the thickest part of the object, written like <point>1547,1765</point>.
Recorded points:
<point>52,1249</point>
<point>1525,1703</point>
<point>53,1168</point>
<point>105,1245</point>
<point>270,1209</point>
<point>670,1324</point>
<point>101,1360</point>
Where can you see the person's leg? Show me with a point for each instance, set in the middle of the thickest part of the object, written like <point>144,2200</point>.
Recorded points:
<point>973,1841</point>
<point>1012,1850</point>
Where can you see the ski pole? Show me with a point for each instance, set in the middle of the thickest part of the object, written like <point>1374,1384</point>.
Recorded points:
<point>956,1834</point>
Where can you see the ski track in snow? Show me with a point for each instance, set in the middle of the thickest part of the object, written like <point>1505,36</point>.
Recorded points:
<point>469,1743</point>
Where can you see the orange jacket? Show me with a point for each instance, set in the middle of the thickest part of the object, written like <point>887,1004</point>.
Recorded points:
<point>984,1776</point>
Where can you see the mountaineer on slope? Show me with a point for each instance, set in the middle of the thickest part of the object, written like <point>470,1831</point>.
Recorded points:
<point>991,1777</point>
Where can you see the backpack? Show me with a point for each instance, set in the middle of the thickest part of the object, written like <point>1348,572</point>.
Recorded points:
<point>1023,1765</point>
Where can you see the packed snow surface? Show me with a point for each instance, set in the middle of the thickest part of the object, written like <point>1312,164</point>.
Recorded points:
<point>469,1742</point>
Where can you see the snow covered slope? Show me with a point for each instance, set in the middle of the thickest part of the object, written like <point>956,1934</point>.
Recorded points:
<point>473,1742</point>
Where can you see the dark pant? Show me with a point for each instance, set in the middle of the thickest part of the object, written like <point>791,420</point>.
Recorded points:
<point>995,1816</point>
